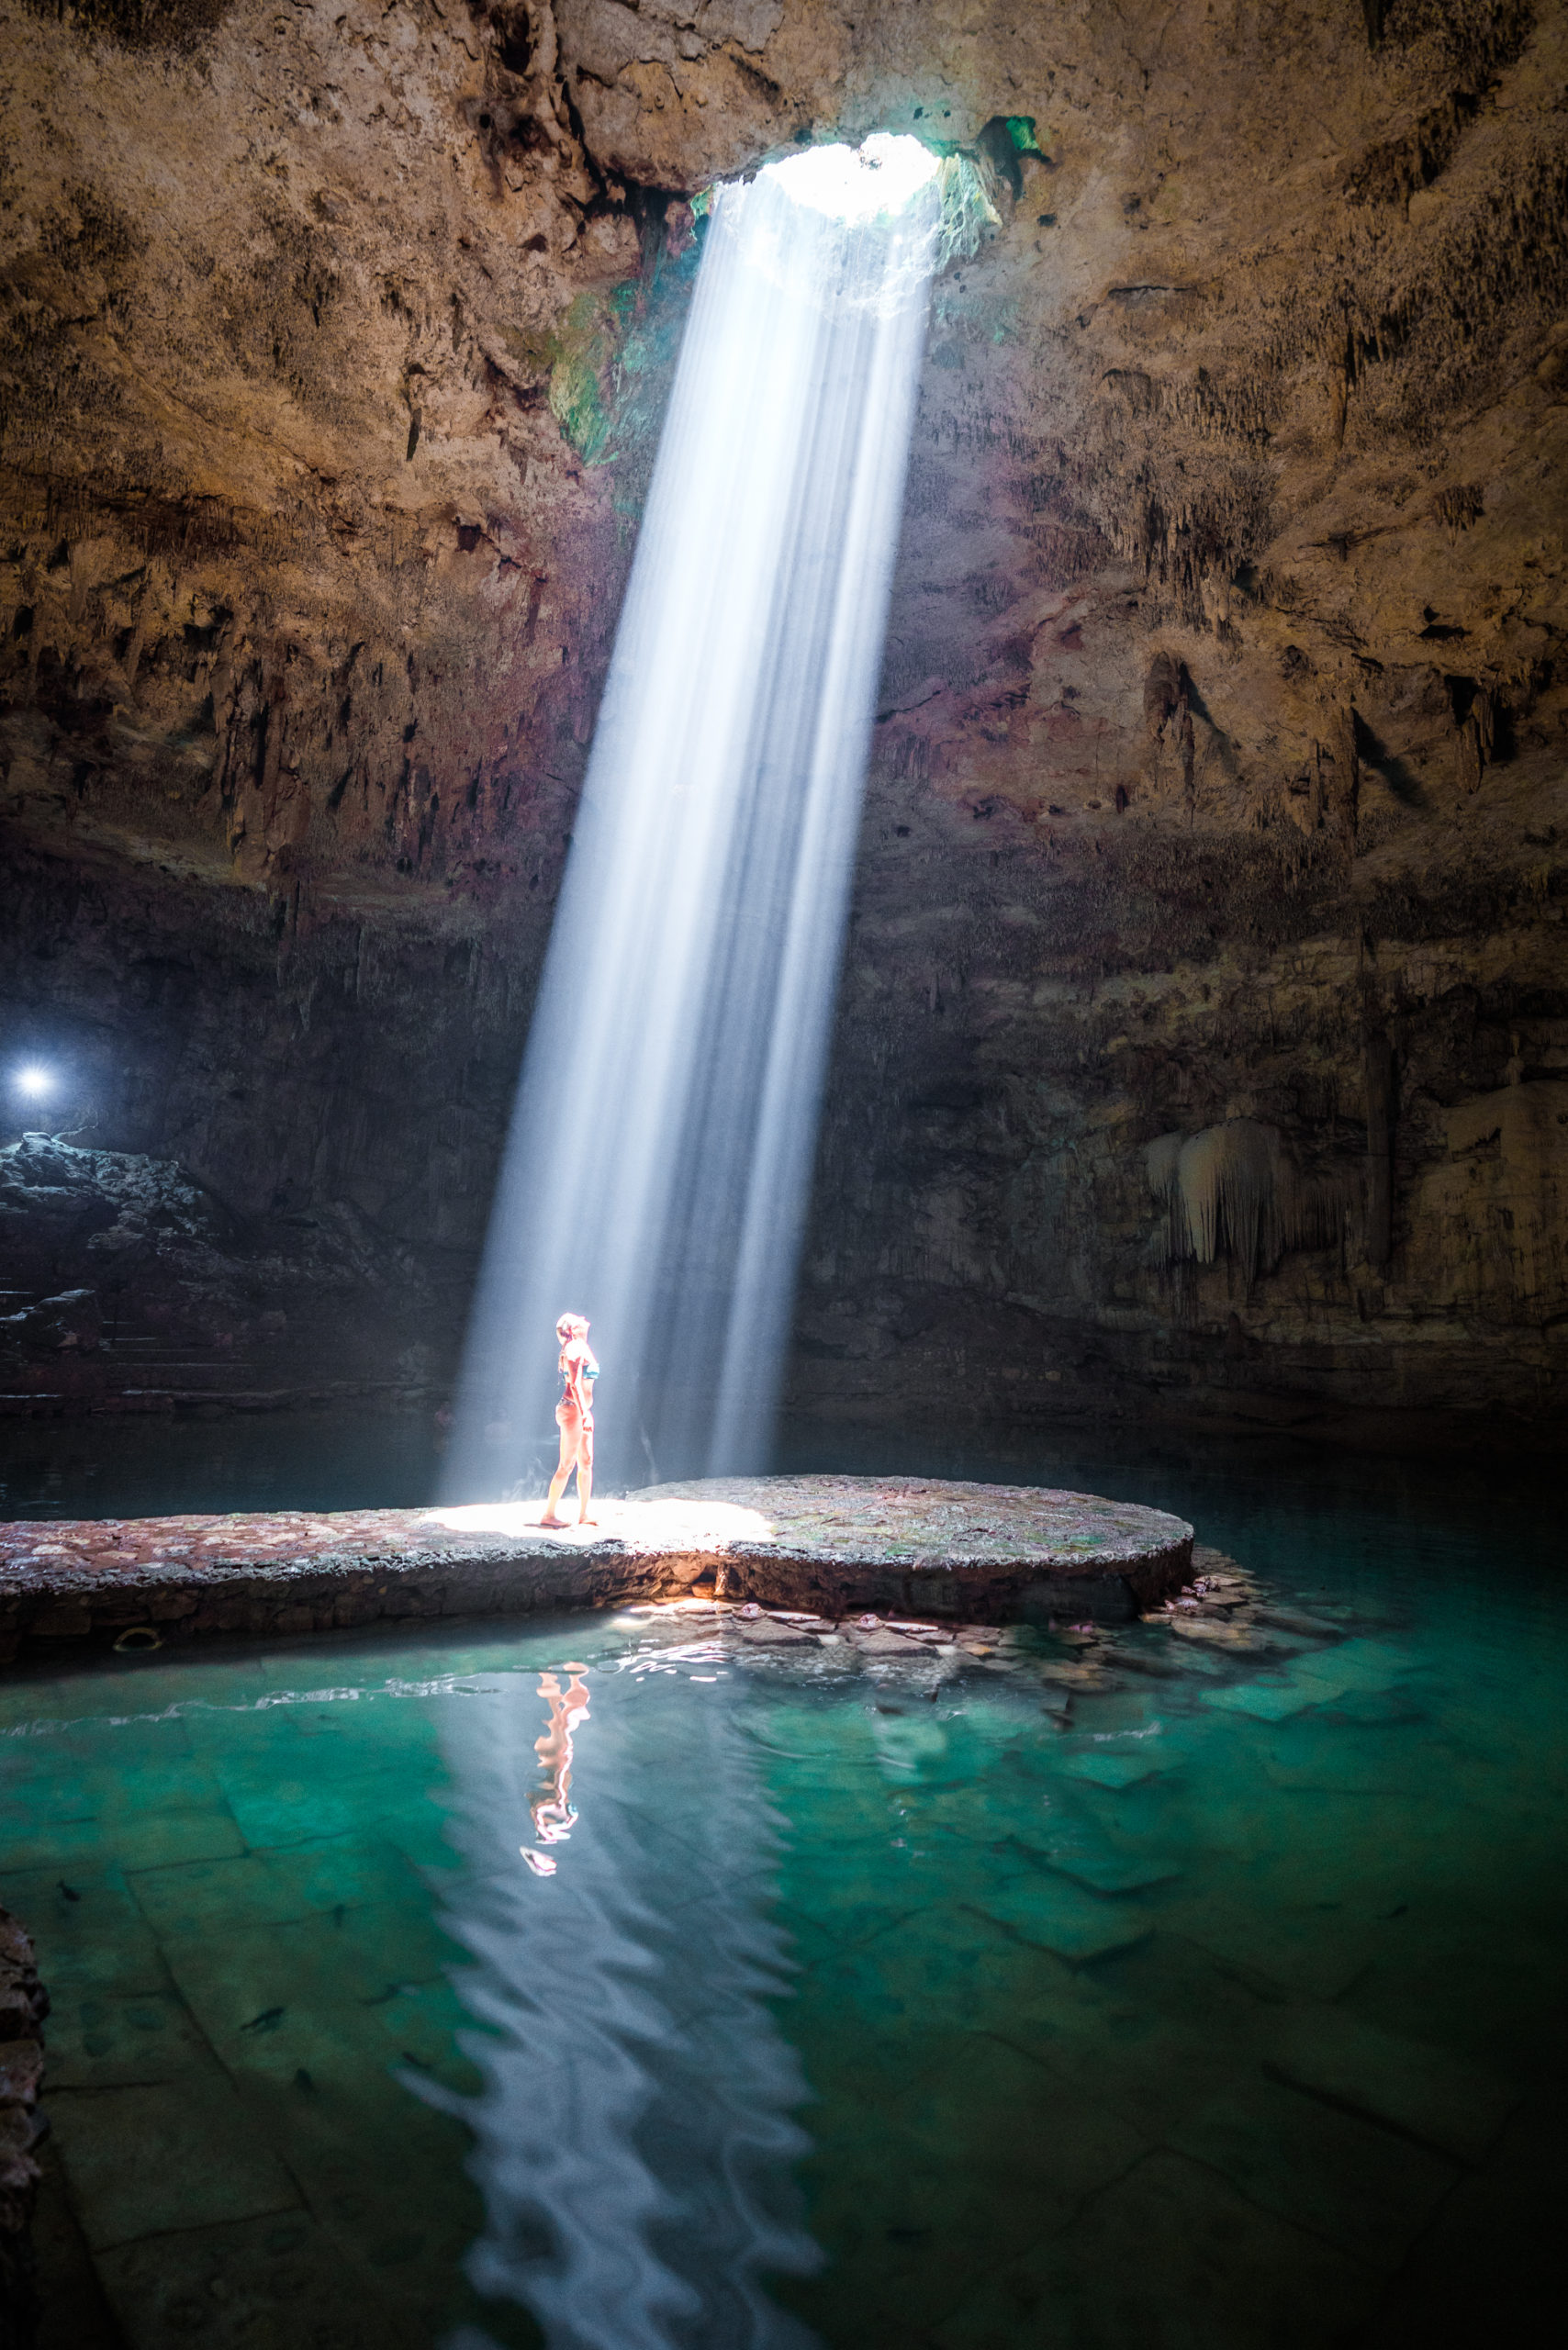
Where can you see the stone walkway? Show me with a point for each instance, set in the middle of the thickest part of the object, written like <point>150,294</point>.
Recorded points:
<point>983,1553</point>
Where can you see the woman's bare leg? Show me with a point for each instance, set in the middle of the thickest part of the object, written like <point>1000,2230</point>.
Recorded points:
<point>585,1479</point>
<point>558,1481</point>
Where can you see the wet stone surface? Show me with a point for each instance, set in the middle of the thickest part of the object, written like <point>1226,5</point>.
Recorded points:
<point>24,2004</point>
<point>924,1546</point>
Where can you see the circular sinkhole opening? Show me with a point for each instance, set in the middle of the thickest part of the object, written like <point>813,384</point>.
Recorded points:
<point>883,174</point>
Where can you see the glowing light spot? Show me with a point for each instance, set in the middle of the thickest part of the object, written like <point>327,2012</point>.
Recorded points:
<point>663,1525</point>
<point>855,184</point>
<point>34,1081</point>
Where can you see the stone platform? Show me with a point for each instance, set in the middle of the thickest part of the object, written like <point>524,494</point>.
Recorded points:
<point>920,1546</point>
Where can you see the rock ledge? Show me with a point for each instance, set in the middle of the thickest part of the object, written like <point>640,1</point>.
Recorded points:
<point>983,1553</point>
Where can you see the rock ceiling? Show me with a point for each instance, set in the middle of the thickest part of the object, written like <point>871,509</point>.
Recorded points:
<point>1224,710</point>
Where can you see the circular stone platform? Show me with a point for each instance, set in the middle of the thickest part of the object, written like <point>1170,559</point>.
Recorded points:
<point>927,1544</point>
<point>833,1544</point>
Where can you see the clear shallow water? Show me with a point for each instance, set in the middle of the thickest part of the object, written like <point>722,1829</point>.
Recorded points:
<point>1209,1993</point>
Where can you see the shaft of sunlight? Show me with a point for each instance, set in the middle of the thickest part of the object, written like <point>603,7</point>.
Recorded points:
<point>660,1157</point>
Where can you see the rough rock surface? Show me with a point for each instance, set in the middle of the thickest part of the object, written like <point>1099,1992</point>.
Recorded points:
<point>1219,777</point>
<point>944,1547</point>
<point>24,2004</point>
<point>985,1552</point>
<point>127,1286</point>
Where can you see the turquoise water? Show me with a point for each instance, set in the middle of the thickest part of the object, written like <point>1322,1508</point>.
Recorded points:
<point>1143,1989</point>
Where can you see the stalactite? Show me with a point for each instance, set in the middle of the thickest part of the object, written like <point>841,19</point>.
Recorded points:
<point>1160,1162</point>
<point>1378,1064</point>
<point>1231,1190</point>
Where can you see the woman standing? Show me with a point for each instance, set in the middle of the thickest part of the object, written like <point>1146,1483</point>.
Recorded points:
<point>573,1418</point>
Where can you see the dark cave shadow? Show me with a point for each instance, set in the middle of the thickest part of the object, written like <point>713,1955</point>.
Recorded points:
<point>1405,785</point>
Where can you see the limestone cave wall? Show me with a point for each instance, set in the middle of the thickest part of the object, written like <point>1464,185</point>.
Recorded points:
<point>1204,1040</point>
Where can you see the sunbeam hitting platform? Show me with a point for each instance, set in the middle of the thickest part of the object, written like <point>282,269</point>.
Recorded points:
<point>660,1157</point>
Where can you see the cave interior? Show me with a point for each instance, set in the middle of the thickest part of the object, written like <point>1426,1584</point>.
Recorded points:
<point>1198,1079</point>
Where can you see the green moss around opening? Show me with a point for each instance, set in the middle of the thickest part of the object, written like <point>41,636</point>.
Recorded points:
<point>609,360</point>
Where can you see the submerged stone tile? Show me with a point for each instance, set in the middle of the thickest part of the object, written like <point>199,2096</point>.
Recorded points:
<point>41,1800</point>
<point>1044,2142</point>
<point>1113,1872</point>
<point>99,2040</point>
<point>1072,1841</point>
<point>277,2279</point>
<point>1119,1766</point>
<point>1426,2093</point>
<point>75,2315</point>
<point>907,2240</point>
<point>88,1925</point>
<point>1044,1908</point>
<point>1365,1667</point>
<point>151,2159</point>
<point>1168,2254</point>
<point>130,1841</point>
<point>125,1785</point>
<point>1266,1701</point>
<point>1368,1665</point>
<point>951,1969</point>
<point>847,1916</point>
<point>370,2151</point>
<point>252,1989</point>
<point>271,1887</point>
<point>858,2059</point>
<point>1313,1952</point>
<point>1339,1758</point>
<point>282,1811</point>
<point>1489,2261</point>
<point>1341,2177</point>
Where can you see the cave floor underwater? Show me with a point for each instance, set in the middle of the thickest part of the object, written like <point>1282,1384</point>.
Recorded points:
<point>632,1979</point>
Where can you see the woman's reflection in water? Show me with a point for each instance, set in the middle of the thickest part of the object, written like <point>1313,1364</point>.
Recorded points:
<point>553,1818</point>
<point>633,2138</point>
